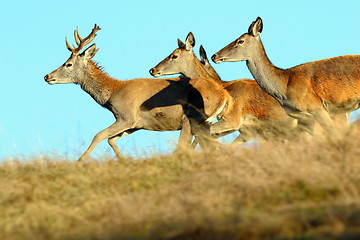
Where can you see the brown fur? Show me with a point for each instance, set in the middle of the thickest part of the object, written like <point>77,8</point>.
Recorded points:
<point>335,81</point>
<point>213,94</point>
<point>255,110</point>
<point>308,92</point>
<point>250,106</point>
<point>152,104</point>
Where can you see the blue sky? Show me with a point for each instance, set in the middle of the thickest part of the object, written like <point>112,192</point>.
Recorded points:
<point>37,118</point>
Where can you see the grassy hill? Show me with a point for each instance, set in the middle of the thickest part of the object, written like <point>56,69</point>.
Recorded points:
<point>294,190</point>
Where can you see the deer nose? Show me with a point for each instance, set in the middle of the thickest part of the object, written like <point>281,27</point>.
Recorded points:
<point>48,79</point>
<point>213,57</point>
<point>151,71</point>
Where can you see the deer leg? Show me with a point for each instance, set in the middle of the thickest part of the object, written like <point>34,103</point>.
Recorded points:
<point>219,129</point>
<point>223,127</point>
<point>324,119</point>
<point>199,127</point>
<point>341,120</point>
<point>216,136</point>
<point>114,130</point>
<point>185,134</point>
<point>303,130</point>
<point>245,135</point>
<point>305,124</point>
<point>202,133</point>
<point>112,143</point>
<point>195,143</point>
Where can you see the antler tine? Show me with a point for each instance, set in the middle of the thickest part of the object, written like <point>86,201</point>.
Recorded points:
<point>68,45</point>
<point>72,48</point>
<point>77,36</point>
<point>81,42</point>
<point>91,36</point>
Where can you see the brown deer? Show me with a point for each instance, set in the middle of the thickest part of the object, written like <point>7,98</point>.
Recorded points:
<point>254,113</point>
<point>309,92</point>
<point>151,104</point>
<point>216,100</point>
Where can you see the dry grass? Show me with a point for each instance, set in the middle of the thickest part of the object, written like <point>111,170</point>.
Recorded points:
<point>301,190</point>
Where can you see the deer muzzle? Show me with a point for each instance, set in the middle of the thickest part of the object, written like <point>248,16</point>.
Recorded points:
<point>49,79</point>
<point>216,59</point>
<point>155,73</point>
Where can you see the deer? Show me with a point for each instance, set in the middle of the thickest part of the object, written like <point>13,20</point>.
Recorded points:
<point>310,92</point>
<point>214,96</point>
<point>253,113</point>
<point>150,104</point>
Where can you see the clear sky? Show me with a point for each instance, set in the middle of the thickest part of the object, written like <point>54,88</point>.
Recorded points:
<point>37,118</point>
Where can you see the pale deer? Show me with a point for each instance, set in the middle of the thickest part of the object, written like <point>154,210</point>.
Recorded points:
<point>308,92</point>
<point>254,113</point>
<point>151,104</point>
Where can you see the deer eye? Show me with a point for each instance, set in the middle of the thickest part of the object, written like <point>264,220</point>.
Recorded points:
<point>240,41</point>
<point>68,65</point>
<point>173,57</point>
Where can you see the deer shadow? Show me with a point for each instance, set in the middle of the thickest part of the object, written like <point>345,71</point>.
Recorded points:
<point>179,92</point>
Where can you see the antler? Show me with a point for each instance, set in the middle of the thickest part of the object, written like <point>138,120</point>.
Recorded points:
<point>81,42</point>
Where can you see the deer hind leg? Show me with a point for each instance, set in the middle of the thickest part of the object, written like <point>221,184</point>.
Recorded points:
<point>116,129</point>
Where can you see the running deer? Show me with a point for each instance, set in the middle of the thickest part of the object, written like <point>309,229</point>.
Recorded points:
<point>309,92</point>
<point>217,101</point>
<point>254,113</point>
<point>151,104</point>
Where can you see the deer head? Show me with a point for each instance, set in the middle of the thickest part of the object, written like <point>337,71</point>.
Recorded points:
<point>244,47</point>
<point>177,60</point>
<point>73,69</point>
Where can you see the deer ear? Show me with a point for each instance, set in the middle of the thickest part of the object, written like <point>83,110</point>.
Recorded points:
<point>181,44</point>
<point>90,51</point>
<point>203,55</point>
<point>256,27</point>
<point>190,41</point>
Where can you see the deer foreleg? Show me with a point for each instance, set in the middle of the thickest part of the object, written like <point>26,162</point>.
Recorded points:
<point>245,135</point>
<point>116,129</point>
<point>224,127</point>
<point>324,119</point>
<point>185,134</point>
<point>112,143</point>
<point>202,133</point>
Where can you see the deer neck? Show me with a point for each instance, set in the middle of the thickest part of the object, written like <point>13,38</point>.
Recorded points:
<point>195,69</point>
<point>216,76</point>
<point>270,78</point>
<point>98,84</point>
